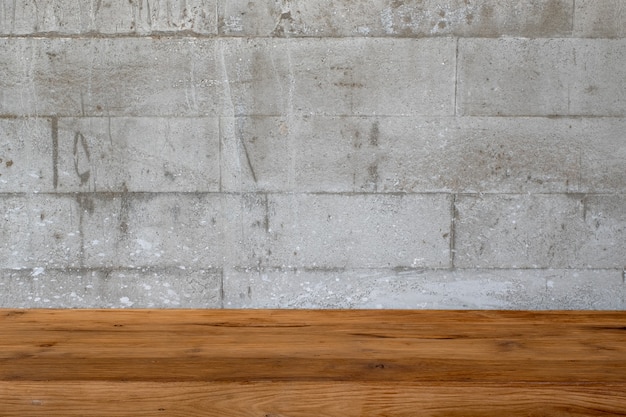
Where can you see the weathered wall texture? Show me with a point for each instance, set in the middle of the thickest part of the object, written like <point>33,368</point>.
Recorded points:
<point>313,153</point>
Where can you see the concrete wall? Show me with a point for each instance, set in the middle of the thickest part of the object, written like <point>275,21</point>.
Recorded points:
<point>313,153</point>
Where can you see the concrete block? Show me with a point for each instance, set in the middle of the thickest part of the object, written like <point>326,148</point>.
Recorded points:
<point>416,154</point>
<point>541,77</point>
<point>305,154</point>
<point>540,231</point>
<point>108,17</point>
<point>120,288</point>
<point>258,153</point>
<point>137,154</point>
<point>108,77</point>
<point>339,77</point>
<point>39,231</point>
<point>152,230</point>
<point>411,18</point>
<point>598,88</point>
<point>514,77</point>
<point>600,19</point>
<point>425,289</point>
<point>347,231</point>
<point>605,221</point>
<point>603,155</point>
<point>104,220</point>
<point>585,290</point>
<point>475,154</point>
<point>193,16</point>
<point>25,149</point>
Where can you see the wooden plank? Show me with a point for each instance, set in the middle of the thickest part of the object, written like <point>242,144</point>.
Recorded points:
<point>302,399</point>
<point>301,363</point>
<point>146,345</point>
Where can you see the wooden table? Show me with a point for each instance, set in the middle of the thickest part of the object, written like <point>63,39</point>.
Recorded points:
<point>279,363</point>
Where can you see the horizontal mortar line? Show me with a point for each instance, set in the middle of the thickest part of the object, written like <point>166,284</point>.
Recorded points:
<point>331,269</point>
<point>303,115</point>
<point>226,268</point>
<point>562,193</point>
<point>209,193</point>
<point>303,193</point>
<point>219,36</point>
<point>546,116</point>
<point>117,269</point>
<point>312,116</point>
<point>540,268</point>
<point>218,116</point>
<point>299,114</point>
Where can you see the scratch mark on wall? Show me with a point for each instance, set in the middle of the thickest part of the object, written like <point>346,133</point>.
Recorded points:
<point>192,81</point>
<point>374,134</point>
<point>124,218</point>
<point>79,139</point>
<point>149,15</point>
<point>245,151</point>
<point>109,131</point>
<point>82,104</point>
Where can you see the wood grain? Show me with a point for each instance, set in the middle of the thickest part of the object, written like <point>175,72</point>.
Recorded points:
<point>302,363</point>
<point>305,399</point>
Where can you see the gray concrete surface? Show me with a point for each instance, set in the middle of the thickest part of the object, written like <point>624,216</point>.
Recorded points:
<point>410,18</point>
<point>119,288</point>
<point>327,154</point>
<point>567,77</point>
<point>540,231</point>
<point>425,289</point>
<point>600,19</point>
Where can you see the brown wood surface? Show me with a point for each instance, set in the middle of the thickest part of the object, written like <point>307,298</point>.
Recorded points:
<point>271,363</point>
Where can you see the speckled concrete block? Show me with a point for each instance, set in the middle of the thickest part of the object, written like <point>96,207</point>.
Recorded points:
<point>540,231</point>
<point>108,77</point>
<point>330,231</point>
<point>339,77</point>
<point>25,155</point>
<point>153,230</point>
<point>39,231</point>
<point>427,289</point>
<point>119,154</point>
<point>114,17</point>
<point>541,77</point>
<point>600,19</point>
<point>411,18</point>
<point>602,155</point>
<point>423,154</point>
<point>118,288</point>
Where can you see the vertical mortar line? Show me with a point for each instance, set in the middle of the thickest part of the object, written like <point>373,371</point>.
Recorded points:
<point>573,17</point>
<point>453,213</point>
<point>81,200</point>
<point>456,74</point>
<point>219,150</point>
<point>623,286</point>
<point>222,287</point>
<point>55,151</point>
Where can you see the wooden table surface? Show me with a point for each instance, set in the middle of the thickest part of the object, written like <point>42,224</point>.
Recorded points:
<point>293,363</point>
